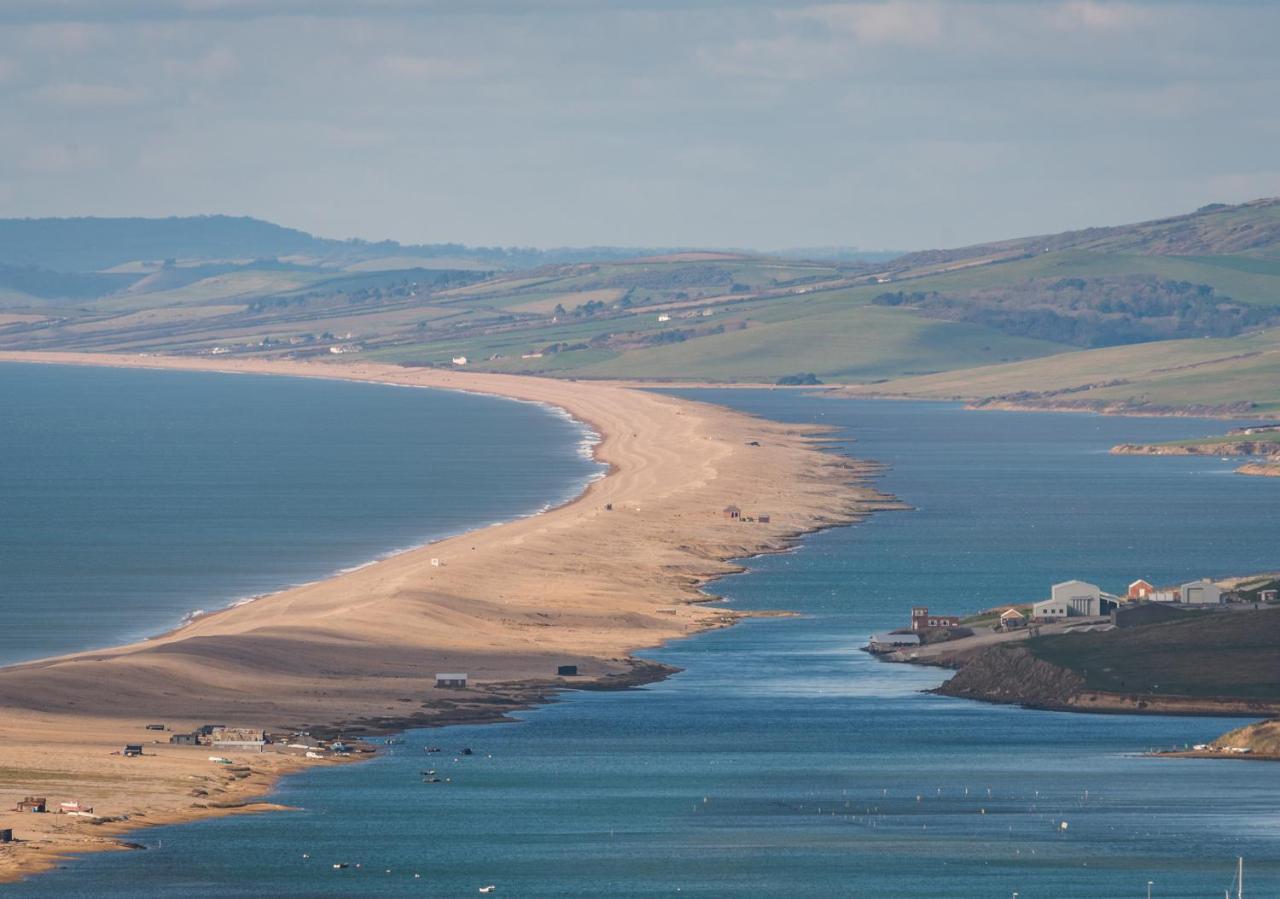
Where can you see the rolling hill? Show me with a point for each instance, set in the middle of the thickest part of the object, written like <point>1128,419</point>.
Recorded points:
<point>1177,313</point>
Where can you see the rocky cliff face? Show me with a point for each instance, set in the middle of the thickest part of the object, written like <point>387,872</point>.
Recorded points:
<point>1011,674</point>
<point>1261,469</point>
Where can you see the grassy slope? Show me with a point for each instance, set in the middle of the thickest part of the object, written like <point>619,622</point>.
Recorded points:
<point>1168,373</point>
<point>1225,654</point>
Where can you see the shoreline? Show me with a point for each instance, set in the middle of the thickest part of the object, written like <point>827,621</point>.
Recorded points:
<point>616,569</point>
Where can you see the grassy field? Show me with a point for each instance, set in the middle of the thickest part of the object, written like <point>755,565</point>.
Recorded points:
<point>1213,654</point>
<point>715,316</point>
<point>1173,373</point>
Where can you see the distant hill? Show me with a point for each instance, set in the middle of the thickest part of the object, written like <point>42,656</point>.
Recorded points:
<point>93,244</point>
<point>1250,229</point>
<point>1176,315</point>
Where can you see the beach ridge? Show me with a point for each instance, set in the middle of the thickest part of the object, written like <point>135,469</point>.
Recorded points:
<point>589,582</point>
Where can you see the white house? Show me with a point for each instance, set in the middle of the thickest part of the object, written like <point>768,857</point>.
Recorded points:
<point>1202,593</point>
<point>459,360</point>
<point>1050,609</point>
<point>1080,597</point>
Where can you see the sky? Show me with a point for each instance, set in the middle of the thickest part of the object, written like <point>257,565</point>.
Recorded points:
<point>905,124</point>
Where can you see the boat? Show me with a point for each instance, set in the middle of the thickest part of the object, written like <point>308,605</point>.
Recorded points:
<point>489,889</point>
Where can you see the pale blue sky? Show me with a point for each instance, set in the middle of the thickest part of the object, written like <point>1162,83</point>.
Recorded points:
<point>902,124</point>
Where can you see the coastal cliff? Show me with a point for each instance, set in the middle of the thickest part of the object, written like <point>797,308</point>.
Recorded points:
<point>1210,664</point>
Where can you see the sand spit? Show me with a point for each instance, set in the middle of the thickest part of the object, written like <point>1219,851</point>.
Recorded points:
<point>588,583</point>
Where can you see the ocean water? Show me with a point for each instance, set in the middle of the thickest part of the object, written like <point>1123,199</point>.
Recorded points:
<point>129,499</point>
<point>783,762</point>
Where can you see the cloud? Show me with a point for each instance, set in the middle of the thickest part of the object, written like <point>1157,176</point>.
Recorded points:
<point>1096,16</point>
<point>430,68</point>
<point>65,37</point>
<point>898,22</point>
<point>58,159</point>
<point>89,95</point>
<point>215,65</point>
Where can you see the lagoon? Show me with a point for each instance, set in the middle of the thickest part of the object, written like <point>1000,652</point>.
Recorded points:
<point>781,761</point>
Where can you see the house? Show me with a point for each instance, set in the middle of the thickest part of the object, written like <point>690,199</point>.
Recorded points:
<point>1139,589</point>
<point>1165,596</point>
<point>191,739</point>
<point>567,671</point>
<point>1050,610</point>
<point>1080,597</point>
<point>1267,595</point>
<point>451,681</point>
<point>1202,593</point>
<point>73,805</point>
<point>459,360</point>
<point>205,730</point>
<point>892,642</point>
<point>733,513</point>
<point>920,619</point>
<point>1012,619</point>
<point>34,804</point>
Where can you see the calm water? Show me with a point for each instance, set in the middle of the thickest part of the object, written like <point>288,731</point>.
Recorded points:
<point>131,498</point>
<point>782,762</point>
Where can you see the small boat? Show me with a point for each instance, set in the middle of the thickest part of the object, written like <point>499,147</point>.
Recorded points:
<point>431,749</point>
<point>339,865</point>
<point>431,780</point>
<point>466,750</point>
<point>489,889</point>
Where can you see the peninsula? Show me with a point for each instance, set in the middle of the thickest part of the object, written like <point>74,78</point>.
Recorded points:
<point>586,585</point>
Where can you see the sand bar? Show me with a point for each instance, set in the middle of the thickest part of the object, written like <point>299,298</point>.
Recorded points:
<point>581,584</point>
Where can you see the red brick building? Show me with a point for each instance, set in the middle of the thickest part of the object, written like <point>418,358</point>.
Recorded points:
<point>920,618</point>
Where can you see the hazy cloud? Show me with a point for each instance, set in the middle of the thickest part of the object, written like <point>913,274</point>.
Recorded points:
<point>755,122</point>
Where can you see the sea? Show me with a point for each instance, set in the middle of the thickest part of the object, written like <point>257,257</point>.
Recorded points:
<point>781,760</point>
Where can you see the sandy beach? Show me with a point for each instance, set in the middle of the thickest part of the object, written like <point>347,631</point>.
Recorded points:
<point>590,583</point>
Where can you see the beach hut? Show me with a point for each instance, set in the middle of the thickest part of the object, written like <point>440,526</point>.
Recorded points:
<point>733,513</point>
<point>451,681</point>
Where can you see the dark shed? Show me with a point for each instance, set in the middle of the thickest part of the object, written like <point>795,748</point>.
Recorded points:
<point>567,670</point>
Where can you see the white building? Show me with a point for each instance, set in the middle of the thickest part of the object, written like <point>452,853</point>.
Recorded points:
<point>459,360</point>
<point>1050,609</point>
<point>1080,597</point>
<point>1202,593</point>
<point>1164,596</point>
<point>664,317</point>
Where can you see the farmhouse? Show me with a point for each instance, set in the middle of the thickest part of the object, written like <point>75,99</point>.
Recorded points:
<point>920,619</point>
<point>1011,619</point>
<point>732,512</point>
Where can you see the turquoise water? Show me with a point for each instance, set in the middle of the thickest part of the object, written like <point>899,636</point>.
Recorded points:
<point>129,499</point>
<point>782,761</point>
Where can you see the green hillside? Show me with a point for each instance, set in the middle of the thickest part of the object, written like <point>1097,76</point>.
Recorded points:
<point>1180,312</point>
